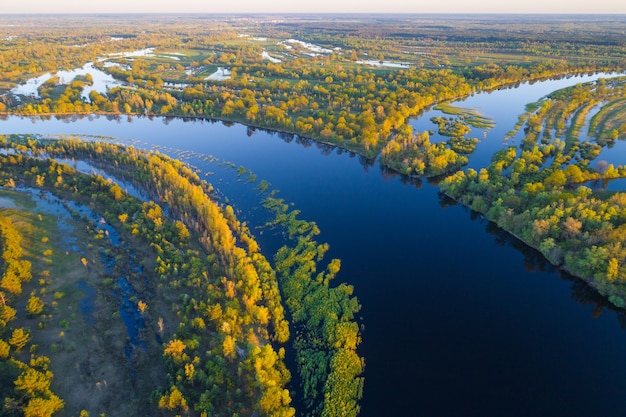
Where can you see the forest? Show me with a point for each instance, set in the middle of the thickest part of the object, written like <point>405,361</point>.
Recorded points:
<point>220,321</point>
<point>354,86</point>
<point>225,354</point>
<point>542,191</point>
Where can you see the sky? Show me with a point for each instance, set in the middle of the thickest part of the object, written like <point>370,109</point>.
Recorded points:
<point>315,6</point>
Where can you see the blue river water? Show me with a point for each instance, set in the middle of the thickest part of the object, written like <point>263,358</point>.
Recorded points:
<point>459,318</point>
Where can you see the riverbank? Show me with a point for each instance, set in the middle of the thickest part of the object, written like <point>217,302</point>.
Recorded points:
<point>546,255</point>
<point>370,154</point>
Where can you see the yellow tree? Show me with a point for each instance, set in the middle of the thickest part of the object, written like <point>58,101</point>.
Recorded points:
<point>174,400</point>
<point>175,348</point>
<point>43,407</point>
<point>35,305</point>
<point>19,338</point>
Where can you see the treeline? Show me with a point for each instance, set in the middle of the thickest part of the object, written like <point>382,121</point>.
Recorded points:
<point>355,108</point>
<point>542,191</point>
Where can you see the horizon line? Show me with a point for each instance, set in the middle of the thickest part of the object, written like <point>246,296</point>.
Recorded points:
<point>397,13</point>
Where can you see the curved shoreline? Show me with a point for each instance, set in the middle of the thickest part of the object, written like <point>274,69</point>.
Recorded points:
<point>187,117</point>
<point>358,151</point>
<point>590,281</point>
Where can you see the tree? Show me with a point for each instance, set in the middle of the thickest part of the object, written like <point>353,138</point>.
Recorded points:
<point>574,174</point>
<point>35,305</point>
<point>174,400</point>
<point>32,383</point>
<point>19,338</point>
<point>7,313</point>
<point>229,346</point>
<point>4,349</point>
<point>142,306</point>
<point>572,227</point>
<point>613,269</point>
<point>117,192</point>
<point>556,179</point>
<point>175,348</point>
<point>43,407</point>
<point>11,282</point>
<point>183,233</point>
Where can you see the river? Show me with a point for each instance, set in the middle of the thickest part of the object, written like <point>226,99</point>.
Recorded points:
<point>459,318</point>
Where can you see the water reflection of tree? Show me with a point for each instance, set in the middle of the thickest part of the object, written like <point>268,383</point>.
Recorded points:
<point>285,137</point>
<point>534,261</point>
<point>366,163</point>
<point>325,148</point>
<point>305,142</point>
<point>389,174</point>
<point>445,201</point>
<point>616,184</point>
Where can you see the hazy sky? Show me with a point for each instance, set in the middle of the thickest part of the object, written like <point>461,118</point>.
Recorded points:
<point>314,6</point>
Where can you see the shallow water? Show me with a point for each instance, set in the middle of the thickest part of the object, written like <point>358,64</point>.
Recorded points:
<point>87,168</point>
<point>389,64</point>
<point>101,81</point>
<point>504,106</point>
<point>88,304</point>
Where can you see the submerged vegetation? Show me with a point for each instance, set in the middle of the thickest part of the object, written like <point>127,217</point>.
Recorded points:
<point>327,334</point>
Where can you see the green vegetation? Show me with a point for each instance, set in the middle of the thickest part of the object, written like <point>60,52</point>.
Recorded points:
<point>327,334</point>
<point>219,359</point>
<point>220,355</point>
<point>327,82</point>
<point>25,378</point>
<point>220,306</point>
<point>416,155</point>
<point>539,192</point>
